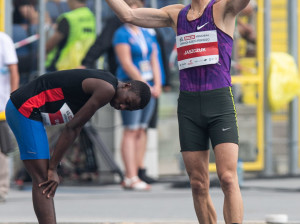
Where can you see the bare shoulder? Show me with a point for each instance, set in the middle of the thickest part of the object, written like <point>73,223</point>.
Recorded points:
<point>173,11</point>
<point>172,7</point>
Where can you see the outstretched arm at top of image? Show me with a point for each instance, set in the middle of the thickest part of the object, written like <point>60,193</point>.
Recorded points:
<point>146,17</point>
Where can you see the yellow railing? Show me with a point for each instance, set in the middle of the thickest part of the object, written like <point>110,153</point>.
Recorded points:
<point>298,70</point>
<point>2,14</point>
<point>259,163</point>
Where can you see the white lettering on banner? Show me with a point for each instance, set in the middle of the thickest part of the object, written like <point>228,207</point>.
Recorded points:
<point>197,49</point>
<point>194,51</point>
<point>64,115</point>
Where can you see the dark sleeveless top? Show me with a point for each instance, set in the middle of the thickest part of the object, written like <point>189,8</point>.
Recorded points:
<point>206,77</point>
<point>49,92</point>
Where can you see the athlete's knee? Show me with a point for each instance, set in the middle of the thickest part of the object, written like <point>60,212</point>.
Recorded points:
<point>228,181</point>
<point>38,174</point>
<point>199,186</point>
<point>38,177</point>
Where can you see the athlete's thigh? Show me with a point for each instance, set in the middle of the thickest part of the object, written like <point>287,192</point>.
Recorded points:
<point>226,156</point>
<point>193,133</point>
<point>196,163</point>
<point>37,169</point>
<point>221,111</point>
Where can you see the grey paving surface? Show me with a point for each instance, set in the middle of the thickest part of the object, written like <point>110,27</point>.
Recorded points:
<point>164,204</point>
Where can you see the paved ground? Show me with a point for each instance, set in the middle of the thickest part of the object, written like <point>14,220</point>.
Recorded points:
<point>168,202</point>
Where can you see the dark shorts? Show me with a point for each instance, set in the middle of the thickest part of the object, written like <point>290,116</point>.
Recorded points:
<point>206,115</point>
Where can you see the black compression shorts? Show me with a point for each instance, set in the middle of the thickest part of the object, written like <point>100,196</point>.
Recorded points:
<point>206,115</point>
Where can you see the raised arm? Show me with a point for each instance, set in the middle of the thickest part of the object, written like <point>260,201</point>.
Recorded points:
<point>225,12</point>
<point>146,17</point>
<point>236,6</point>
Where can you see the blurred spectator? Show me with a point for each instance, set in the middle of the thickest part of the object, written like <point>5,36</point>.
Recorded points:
<point>246,28</point>
<point>142,173</point>
<point>103,45</point>
<point>25,24</point>
<point>137,59</point>
<point>72,38</point>
<point>24,12</point>
<point>56,7</point>
<point>26,17</point>
<point>9,81</point>
<point>158,38</point>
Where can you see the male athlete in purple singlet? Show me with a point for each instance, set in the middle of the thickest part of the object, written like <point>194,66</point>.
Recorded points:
<point>206,108</point>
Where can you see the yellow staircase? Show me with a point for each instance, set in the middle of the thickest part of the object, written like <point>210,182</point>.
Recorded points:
<point>279,28</point>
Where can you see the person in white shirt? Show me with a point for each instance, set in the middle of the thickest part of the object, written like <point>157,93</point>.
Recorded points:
<point>9,81</point>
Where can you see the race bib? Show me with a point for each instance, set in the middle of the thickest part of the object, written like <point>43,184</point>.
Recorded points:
<point>197,49</point>
<point>146,70</point>
<point>64,115</point>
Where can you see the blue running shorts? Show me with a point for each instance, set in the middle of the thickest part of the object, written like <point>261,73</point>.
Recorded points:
<point>31,135</point>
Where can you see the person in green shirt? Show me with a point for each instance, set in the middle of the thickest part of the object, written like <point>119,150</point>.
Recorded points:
<point>75,33</point>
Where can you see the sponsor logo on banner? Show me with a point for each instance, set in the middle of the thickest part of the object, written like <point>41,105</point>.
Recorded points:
<point>191,37</point>
<point>190,62</point>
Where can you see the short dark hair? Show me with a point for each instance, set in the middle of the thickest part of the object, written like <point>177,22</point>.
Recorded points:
<point>142,90</point>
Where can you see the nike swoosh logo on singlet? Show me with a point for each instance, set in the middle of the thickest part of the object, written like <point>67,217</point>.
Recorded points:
<point>200,27</point>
